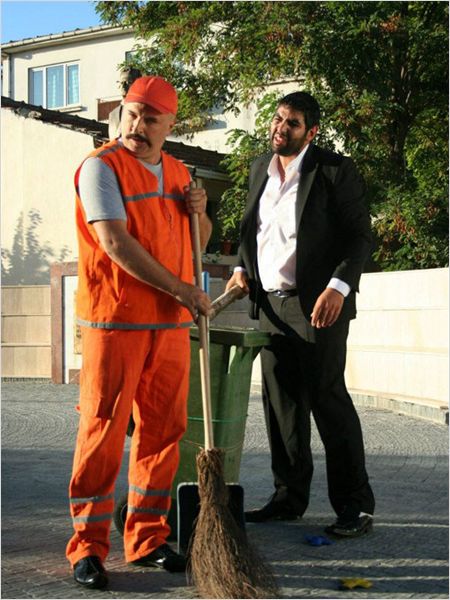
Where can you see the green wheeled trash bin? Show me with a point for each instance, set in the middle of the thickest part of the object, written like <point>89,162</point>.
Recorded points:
<point>232,352</point>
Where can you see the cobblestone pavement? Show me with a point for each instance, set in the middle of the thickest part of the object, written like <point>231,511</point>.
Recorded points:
<point>406,556</point>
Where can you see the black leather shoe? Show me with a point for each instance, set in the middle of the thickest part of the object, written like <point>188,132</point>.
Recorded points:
<point>163,558</point>
<point>90,573</point>
<point>351,528</point>
<point>272,511</point>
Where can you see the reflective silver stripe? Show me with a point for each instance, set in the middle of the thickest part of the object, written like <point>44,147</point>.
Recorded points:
<point>134,488</point>
<point>108,151</point>
<point>92,518</point>
<point>174,196</point>
<point>144,196</point>
<point>137,197</point>
<point>149,511</point>
<point>91,499</point>
<point>134,326</point>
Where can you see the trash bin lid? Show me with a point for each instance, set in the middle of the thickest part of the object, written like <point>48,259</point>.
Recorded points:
<point>234,336</point>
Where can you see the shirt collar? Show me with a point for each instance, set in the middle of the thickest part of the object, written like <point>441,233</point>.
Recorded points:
<point>294,165</point>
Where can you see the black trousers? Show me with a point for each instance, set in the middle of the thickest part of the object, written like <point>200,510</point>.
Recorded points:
<point>303,372</point>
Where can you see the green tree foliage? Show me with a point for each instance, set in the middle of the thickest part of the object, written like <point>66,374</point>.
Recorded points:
<point>246,146</point>
<point>378,69</point>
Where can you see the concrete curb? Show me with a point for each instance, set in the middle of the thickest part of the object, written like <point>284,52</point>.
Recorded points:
<point>436,414</point>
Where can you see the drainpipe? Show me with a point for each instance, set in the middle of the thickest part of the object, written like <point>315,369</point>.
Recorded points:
<point>11,77</point>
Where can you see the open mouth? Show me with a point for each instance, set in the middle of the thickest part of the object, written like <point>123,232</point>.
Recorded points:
<point>279,139</point>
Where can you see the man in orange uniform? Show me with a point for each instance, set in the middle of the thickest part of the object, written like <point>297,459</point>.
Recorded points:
<point>135,303</point>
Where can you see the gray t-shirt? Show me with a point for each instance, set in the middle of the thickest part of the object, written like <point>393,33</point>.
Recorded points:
<point>100,192</point>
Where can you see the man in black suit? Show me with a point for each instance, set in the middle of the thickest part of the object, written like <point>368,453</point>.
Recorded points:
<point>305,236</point>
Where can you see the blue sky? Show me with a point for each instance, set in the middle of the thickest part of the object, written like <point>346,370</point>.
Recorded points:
<point>23,19</point>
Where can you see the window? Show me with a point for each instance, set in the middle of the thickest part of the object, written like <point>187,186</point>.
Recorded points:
<point>54,87</point>
<point>130,55</point>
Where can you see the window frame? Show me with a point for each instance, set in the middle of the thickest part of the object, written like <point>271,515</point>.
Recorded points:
<point>43,69</point>
<point>129,55</point>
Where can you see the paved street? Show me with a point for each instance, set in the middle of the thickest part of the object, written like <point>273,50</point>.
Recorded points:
<point>406,556</point>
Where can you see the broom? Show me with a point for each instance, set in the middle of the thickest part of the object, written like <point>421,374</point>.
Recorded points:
<point>221,562</point>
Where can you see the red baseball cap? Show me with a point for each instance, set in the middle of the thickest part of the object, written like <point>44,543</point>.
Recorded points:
<point>155,92</point>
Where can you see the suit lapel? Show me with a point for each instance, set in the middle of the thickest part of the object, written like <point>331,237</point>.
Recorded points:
<point>308,173</point>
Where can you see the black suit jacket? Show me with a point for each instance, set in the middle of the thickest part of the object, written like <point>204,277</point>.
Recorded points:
<point>333,228</point>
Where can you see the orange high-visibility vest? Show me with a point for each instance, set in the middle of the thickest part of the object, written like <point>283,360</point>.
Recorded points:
<point>107,296</point>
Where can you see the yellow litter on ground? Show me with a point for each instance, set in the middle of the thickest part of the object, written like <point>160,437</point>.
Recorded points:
<point>349,583</point>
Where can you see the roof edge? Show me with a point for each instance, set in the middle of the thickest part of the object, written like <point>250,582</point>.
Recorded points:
<point>209,161</point>
<point>64,37</point>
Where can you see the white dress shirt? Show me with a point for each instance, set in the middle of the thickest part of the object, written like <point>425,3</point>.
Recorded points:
<point>277,229</point>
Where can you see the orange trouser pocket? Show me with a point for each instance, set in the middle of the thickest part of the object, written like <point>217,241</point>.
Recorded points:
<point>103,372</point>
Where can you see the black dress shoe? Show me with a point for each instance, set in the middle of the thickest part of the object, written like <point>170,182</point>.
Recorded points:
<point>163,558</point>
<point>90,573</point>
<point>350,528</point>
<point>272,511</point>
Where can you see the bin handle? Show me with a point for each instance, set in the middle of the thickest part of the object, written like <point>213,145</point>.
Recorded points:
<point>203,328</point>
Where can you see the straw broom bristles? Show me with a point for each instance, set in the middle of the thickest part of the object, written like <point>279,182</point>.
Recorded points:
<point>221,562</point>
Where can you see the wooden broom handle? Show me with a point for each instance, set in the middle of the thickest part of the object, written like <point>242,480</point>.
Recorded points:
<point>225,300</point>
<point>203,327</point>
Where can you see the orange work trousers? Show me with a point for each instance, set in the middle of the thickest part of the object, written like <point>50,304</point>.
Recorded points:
<point>144,373</point>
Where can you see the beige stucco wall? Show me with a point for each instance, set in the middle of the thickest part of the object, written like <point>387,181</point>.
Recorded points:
<point>37,169</point>
<point>98,58</point>
<point>398,344</point>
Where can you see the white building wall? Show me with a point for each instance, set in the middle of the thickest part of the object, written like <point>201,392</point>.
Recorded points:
<point>398,344</point>
<point>38,164</point>
<point>98,58</point>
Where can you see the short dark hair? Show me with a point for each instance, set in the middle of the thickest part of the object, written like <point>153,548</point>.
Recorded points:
<point>305,103</point>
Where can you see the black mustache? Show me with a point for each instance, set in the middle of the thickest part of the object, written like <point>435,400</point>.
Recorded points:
<point>138,137</point>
